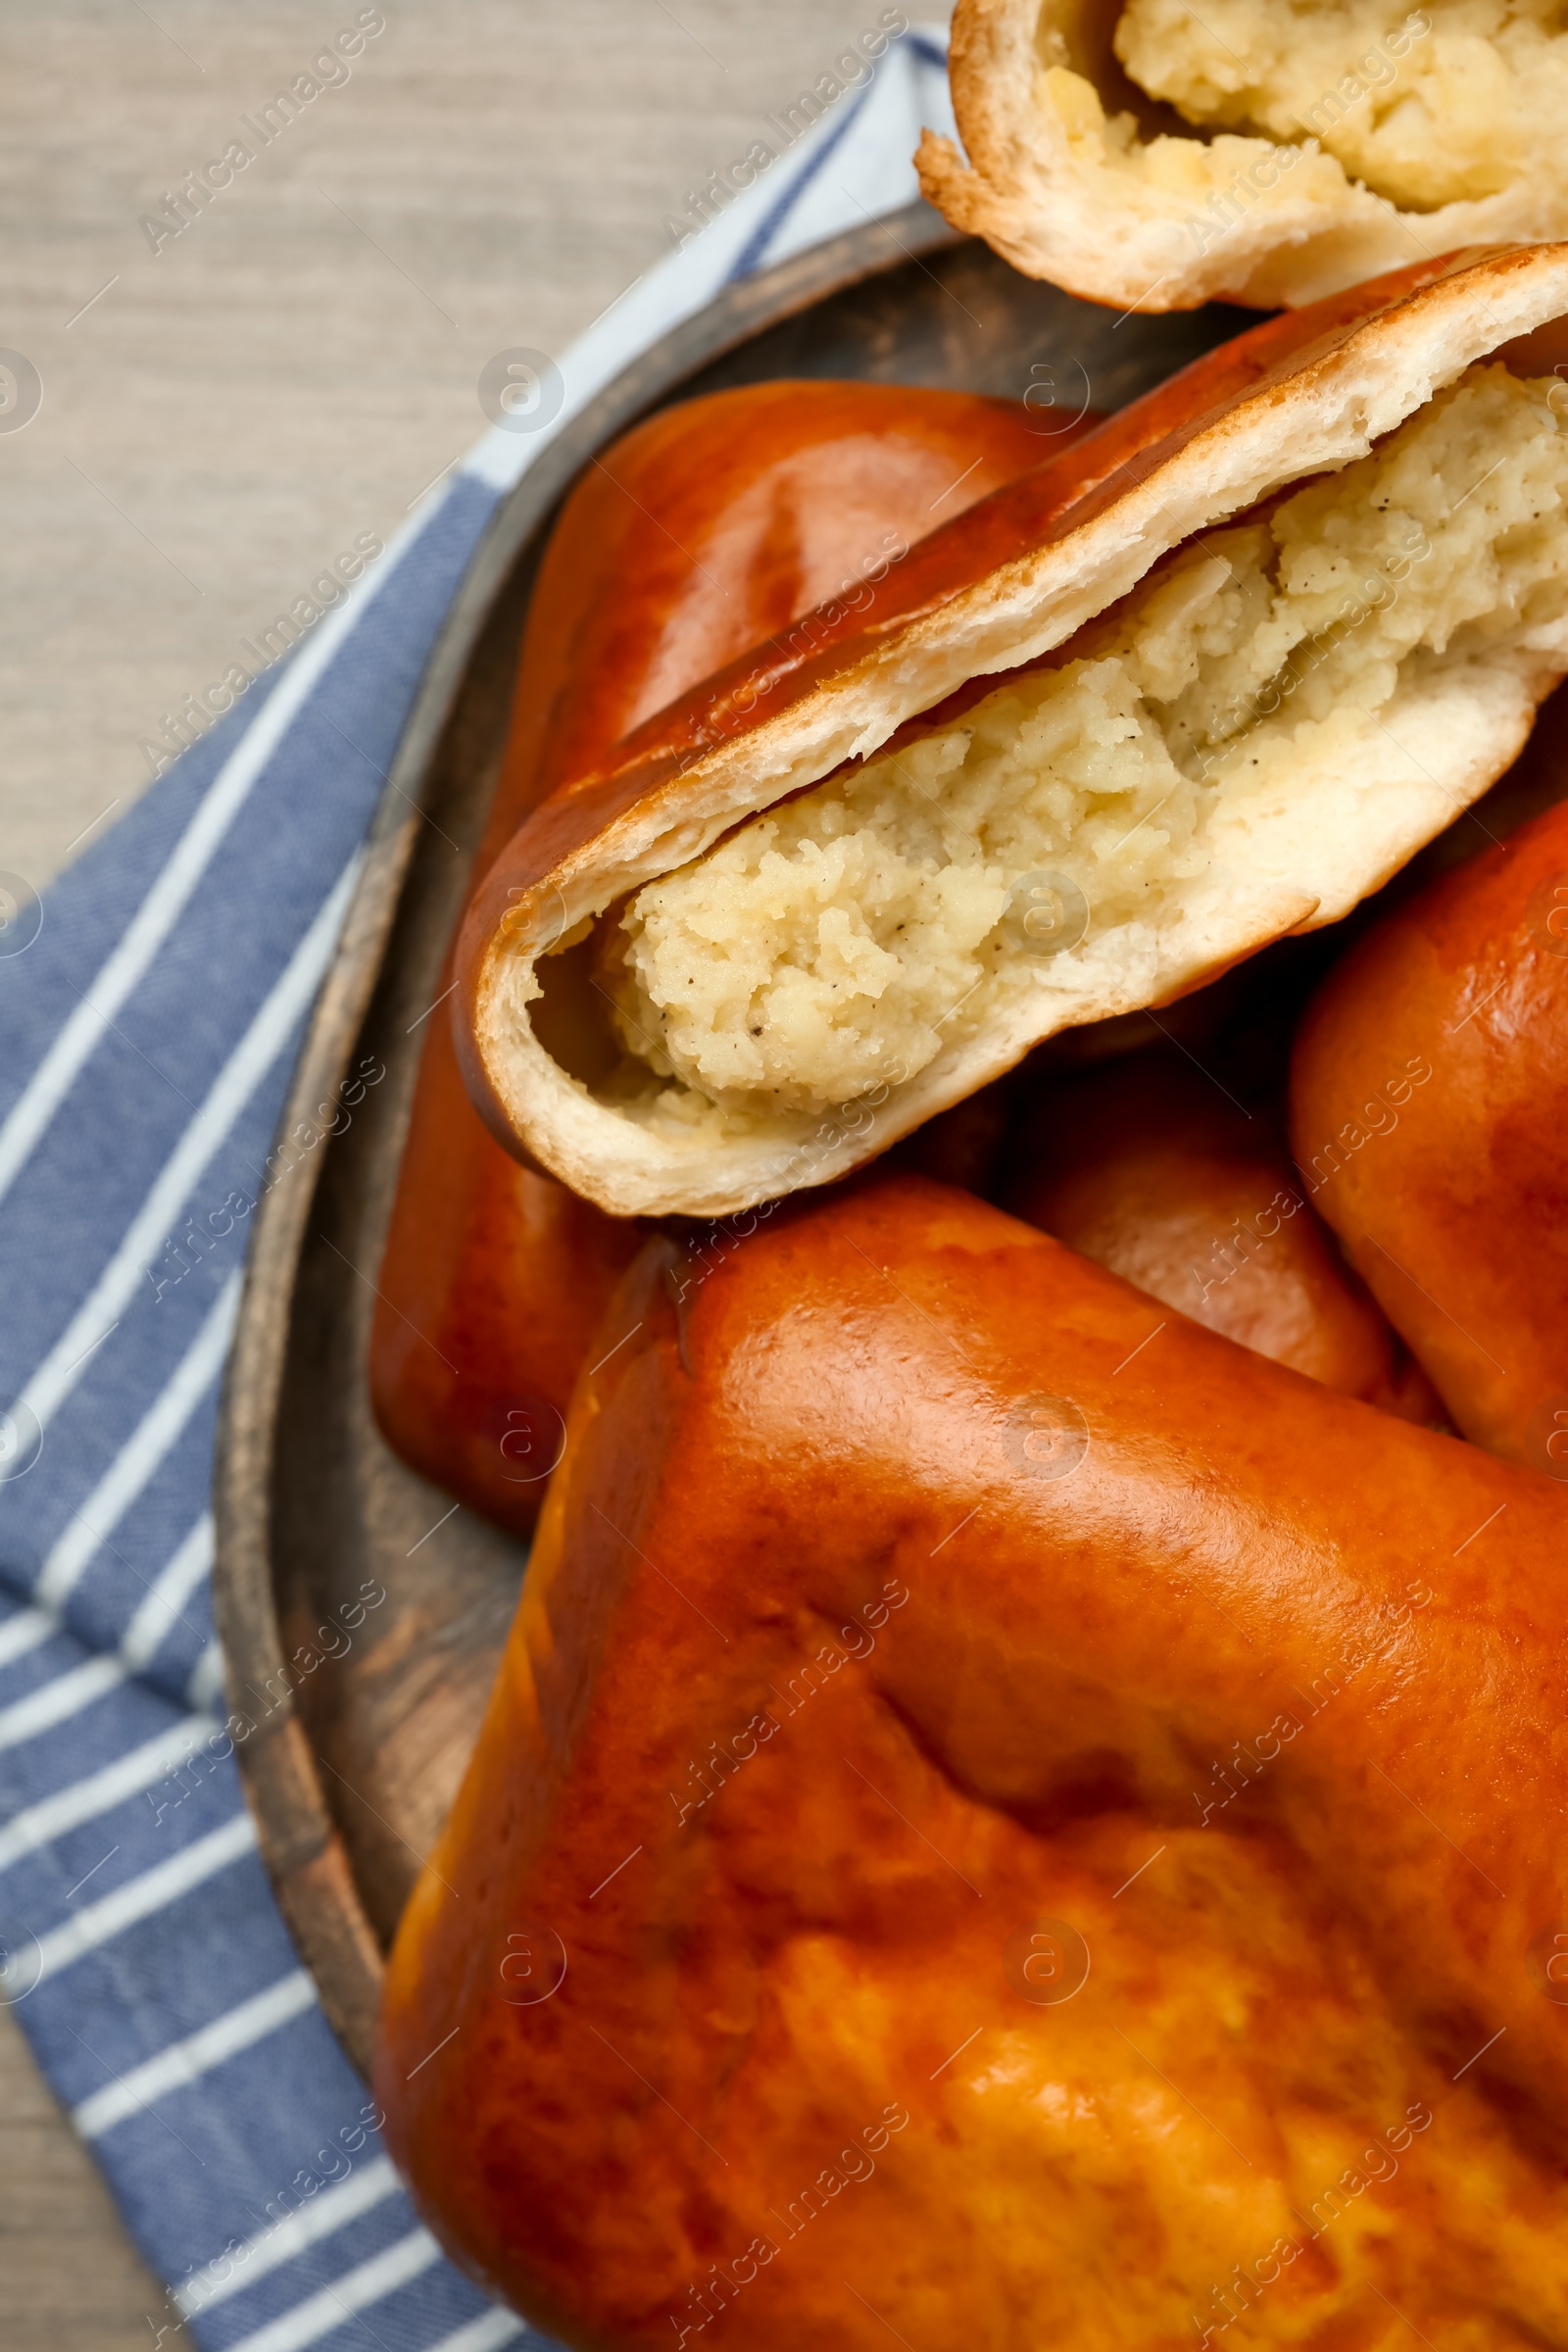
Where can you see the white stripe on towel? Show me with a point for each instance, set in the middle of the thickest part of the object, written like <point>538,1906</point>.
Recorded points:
<point>68,1693</point>
<point>140,1897</point>
<point>331,2210</point>
<point>486,2333</point>
<point>159,1608</point>
<point>319,2313</point>
<point>53,1702</point>
<point>28,1831</point>
<point>24,1631</point>
<point>166,901</point>
<point>185,2062</point>
<point>159,1429</point>
<point>226,1097</point>
<point>206,1685</point>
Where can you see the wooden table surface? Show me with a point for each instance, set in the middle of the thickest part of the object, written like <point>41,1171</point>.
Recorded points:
<point>226,414</point>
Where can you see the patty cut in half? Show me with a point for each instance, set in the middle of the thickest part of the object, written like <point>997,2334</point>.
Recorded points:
<point>1208,678</point>
<point>1268,151</point>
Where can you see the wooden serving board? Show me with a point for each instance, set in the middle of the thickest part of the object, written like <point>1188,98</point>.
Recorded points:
<point>356,1758</point>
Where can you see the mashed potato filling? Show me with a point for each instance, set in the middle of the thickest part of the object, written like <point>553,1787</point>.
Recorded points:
<point>1457,100</point>
<point>856,928</point>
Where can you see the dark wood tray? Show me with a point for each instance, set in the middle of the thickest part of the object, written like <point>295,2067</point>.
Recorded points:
<point>354,1762</point>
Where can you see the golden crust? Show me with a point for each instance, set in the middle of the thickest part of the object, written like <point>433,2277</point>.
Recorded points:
<point>905,1581</point>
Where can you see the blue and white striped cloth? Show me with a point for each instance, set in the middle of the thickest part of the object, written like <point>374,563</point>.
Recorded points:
<point>148,1033</point>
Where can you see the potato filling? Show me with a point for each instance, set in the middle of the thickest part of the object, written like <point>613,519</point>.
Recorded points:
<point>1454,101</point>
<point>861,925</point>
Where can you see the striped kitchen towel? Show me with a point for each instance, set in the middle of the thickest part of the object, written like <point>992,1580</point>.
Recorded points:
<point>151,1005</point>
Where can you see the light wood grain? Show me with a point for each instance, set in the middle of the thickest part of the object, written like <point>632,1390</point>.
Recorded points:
<point>233,410</point>
<point>70,2279</point>
<point>295,368</point>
